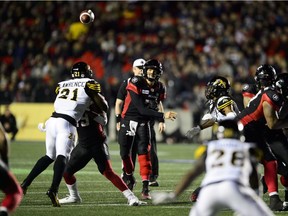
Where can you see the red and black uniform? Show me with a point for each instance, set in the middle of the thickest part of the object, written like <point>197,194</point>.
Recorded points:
<point>10,187</point>
<point>8,182</point>
<point>272,142</point>
<point>92,144</point>
<point>158,94</point>
<point>139,109</point>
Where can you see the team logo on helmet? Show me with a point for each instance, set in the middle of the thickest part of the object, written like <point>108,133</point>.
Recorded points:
<point>81,70</point>
<point>217,87</point>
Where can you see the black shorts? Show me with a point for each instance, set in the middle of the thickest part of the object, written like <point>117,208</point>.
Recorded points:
<point>255,135</point>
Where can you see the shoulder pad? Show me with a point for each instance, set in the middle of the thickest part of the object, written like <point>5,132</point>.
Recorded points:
<point>57,89</point>
<point>93,85</point>
<point>137,80</point>
<point>223,102</point>
<point>245,87</point>
<point>250,88</point>
<point>134,79</point>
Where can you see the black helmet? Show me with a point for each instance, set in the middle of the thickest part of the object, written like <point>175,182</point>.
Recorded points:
<point>282,84</point>
<point>265,76</point>
<point>153,64</point>
<point>81,70</point>
<point>228,129</point>
<point>217,87</point>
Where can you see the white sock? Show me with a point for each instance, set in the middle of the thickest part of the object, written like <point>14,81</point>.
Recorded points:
<point>128,194</point>
<point>73,190</point>
<point>3,209</point>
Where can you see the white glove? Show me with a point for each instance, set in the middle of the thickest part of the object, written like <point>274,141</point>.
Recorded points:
<point>42,127</point>
<point>162,197</point>
<point>192,132</point>
<point>208,116</point>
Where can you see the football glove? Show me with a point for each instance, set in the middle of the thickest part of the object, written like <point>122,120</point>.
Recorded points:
<point>208,116</point>
<point>192,132</point>
<point>162,197</point>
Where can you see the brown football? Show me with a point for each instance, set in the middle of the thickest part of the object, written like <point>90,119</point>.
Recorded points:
<point>86,16</point>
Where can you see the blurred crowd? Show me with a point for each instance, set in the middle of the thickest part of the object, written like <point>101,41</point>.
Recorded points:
<point>41,40</point>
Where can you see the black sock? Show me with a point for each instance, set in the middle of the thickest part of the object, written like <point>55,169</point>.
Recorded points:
<point>59,167</point>
<point>38,168</point>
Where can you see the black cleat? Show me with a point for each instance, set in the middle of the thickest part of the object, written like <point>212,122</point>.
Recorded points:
<point>153,181</point>
<point>145,194</point>
<point>54,198</point>
<point>276,204</point>
<point>195,194</point>
<point>129,180</point>
<point>3,213</point>
<point>24,188</point>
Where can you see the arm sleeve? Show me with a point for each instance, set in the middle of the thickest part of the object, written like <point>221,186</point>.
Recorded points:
<point>122,92</point>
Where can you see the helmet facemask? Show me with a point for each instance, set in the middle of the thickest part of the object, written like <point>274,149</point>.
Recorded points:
<point>265,76</point>
<point>282,85</point>
<point>156,66</point>
<point>217,87</point>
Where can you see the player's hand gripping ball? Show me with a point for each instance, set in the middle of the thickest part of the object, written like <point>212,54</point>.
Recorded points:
<point>86,16</point>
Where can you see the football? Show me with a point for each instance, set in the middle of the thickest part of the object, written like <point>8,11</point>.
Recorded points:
<point>86,16</point>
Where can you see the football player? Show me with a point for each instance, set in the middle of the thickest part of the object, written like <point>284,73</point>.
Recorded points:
<point>160,95</point>
<point>138,111</point>
<point>260,123</point>
<point>221,107</point>
<point>92,144</point>
<point>8,183</point>
<point>74,96</point>
<point>137,70</point>
<point>229,164</point>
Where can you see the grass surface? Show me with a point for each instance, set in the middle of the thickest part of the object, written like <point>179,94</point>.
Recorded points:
<point>99,196</point>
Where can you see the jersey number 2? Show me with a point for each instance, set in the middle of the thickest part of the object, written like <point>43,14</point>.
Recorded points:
<point>64,94</point>
<point>237,158</point>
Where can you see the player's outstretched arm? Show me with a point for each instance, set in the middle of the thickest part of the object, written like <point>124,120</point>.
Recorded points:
<point>207,121</point>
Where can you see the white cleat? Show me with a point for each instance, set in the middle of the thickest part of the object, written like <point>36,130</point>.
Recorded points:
<point>136,202</point>
<point>70,199</point>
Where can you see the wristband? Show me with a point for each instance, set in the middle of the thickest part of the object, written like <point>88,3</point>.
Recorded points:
<point>118,118</point>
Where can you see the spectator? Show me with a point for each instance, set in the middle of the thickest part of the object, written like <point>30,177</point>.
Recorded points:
<point>9,122</point>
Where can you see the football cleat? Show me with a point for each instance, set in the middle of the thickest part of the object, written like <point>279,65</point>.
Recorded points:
<point>4,213</point>
<point>195,194</point>
<point>276,204</point>
<point>153,183</point>
<point>70,199</point>
<point>129,180</point>
<point>24,188</point>
<point>145,194</point>
<point>54,198</point>
<point>134,201</point>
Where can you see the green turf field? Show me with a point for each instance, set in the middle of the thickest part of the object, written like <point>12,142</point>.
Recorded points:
<point>99,196</point>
